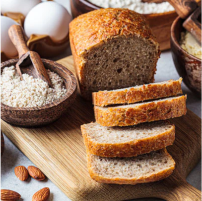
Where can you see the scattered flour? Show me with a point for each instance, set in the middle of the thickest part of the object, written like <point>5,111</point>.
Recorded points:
<point>136,5</point>
<point>29,92</point>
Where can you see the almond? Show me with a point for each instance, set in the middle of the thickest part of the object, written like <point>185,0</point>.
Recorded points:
<point>41,195</point>
<point>36,173</point>
<point>9,195</point>
<point>21,173</point>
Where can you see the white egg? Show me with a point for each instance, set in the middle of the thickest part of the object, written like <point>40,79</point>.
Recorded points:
<point>6,45</point>
<point>18,6</point>
<point>48,18</point>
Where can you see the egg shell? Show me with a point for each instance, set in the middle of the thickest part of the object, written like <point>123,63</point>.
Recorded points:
<point>7,46</point>
<point>18,6</point>
<point>48,18</point>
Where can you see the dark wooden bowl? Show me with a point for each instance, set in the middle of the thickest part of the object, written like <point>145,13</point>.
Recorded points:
<point>160,23</point>
<point>37,116</point>
<point>187,65</point>
<point>2,143</point>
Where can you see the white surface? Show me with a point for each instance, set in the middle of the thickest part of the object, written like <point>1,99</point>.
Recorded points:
<point>13,157</point>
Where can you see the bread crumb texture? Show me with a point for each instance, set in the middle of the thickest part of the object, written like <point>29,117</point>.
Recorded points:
<point>112,49</point>
<point>127,141</point>
<point>113,135</point>
<point>141,169</point>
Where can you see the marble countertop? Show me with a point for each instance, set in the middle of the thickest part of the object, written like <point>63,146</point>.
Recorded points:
<point>12,157</point>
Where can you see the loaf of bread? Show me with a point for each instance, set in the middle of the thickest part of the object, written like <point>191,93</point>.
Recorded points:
<point>112,49</point>
<point>141,169</point>
<point>127,141</point>
<point>126,115</point>
<point>138,93</point>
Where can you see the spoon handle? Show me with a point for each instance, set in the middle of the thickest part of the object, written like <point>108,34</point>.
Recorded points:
<point>33,66</point>
<point>183,7</point>
<point>18,38</point>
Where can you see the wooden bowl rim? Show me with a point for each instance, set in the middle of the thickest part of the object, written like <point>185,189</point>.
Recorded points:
<point>68,94</point>
<point>92,5</point>
<point>174,39</point>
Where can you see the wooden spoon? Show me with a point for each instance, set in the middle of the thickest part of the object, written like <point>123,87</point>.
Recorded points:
<point>189,10</point>
<point>183,7</point>
<point>29,61</point>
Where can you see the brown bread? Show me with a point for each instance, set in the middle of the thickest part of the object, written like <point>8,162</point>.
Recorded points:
<point>133,114</point>
<point>127,141</point>
<point>138,93</point>
<point>141,169</point>
<point>112,48</point>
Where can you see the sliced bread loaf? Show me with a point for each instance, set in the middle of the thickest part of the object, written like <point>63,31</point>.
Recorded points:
<point>112,48</point>
<point>133,114</point>
<point>127,141</point>
<point>138,93</point>
<point>141,169</point>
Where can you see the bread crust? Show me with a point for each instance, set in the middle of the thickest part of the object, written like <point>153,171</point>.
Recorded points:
<point>132,181</point>
<point>93,29</point>
<point>147,112</point>
<point>129,149</point>
<point>134,94</point>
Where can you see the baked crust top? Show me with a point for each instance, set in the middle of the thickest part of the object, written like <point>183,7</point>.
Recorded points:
<point>98,26</point>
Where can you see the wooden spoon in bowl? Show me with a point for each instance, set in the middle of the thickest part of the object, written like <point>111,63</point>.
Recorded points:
<point>29,61</point>
<point>191,11</point>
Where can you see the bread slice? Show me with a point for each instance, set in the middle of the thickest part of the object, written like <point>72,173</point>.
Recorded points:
<point>141,169</point>
<point>127,141</point>
<point>138,93</point>
<point>112,48</point>
<point>133,114</point>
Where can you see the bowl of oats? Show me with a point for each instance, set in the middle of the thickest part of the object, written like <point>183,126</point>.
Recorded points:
<point>187,56</point>
<point>159,13</point>
<point>31,102</point>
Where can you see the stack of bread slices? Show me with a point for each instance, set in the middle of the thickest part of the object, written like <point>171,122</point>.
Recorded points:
<point>127,143</point>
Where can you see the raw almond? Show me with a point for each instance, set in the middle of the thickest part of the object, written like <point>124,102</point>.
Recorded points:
<point>9,195</point>
<point>36,173</point>
<point>41,195</point>
<point>21,173</point>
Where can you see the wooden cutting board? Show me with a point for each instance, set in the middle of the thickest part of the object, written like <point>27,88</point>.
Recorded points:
<point>58,150</point>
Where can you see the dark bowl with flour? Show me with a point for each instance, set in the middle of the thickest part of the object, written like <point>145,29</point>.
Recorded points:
<point>39,116</point>
<point>187,65</point>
